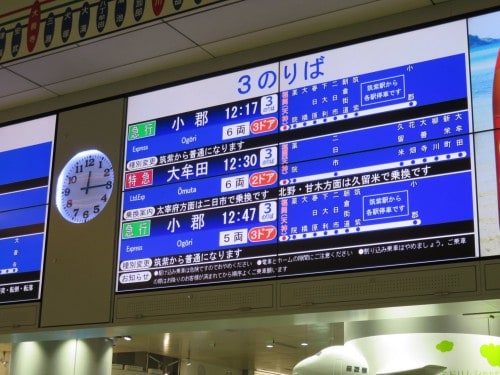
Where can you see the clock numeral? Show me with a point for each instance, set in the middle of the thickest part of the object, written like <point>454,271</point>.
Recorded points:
<point>97,209</point>
<point>67,191</point>
<point>69,203</point>
<point>106,172</point>
<point>78,168</point>
<point>104,198</point>
<point>109,185</point>
<point>75,211</point>
<point>72,179</point>
<point>85,214</point>
<point>89,162</point>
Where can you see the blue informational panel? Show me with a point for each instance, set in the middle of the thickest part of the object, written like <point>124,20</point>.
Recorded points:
<point>25,159</point>
<point>376,161</point>
<point>200,182</point>
<point>351,158</point>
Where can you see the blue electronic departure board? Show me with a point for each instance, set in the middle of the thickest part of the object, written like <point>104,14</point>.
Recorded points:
<point>372,168</point>
<point>200,183</point>
<point>24,190</point>
<point>350,158</point>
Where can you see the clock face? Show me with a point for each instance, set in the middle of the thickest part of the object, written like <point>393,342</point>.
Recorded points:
<point>84,186</point>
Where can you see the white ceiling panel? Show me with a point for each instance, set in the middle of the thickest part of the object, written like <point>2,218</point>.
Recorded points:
<point>363,13</point>
<point>250,16</point>
<point>145,66</point>
<point>11,83</point>
<point>24,97</point>
<point>123,49</point>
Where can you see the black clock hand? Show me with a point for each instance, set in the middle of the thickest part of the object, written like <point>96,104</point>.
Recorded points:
<point>86,188</point>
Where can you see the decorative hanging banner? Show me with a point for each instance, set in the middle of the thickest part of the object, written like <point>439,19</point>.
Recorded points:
<point>37,26</point>
<point>33,26</point>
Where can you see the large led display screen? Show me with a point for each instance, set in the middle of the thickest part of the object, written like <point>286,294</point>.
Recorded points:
<point>376,153</point>
<point>25,159</point>
<point>200,182</point>
<point>344,159</point>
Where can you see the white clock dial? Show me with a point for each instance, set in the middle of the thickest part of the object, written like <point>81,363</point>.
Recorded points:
<point>84,186</point>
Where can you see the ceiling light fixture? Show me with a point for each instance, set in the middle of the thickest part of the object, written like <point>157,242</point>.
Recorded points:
<point>272,343</point>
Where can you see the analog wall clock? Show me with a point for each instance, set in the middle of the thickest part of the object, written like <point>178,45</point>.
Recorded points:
<point>84,186</point>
